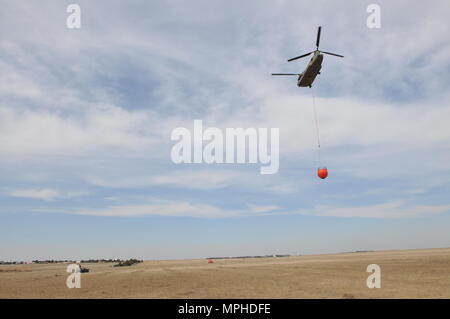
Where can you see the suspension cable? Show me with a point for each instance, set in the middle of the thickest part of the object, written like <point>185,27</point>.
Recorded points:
<point>317,124</point>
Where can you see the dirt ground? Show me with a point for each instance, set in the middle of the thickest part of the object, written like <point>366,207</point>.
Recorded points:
<point>404,274</point>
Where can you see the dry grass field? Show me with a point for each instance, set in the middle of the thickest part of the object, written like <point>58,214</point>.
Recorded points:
<point>405,274</point>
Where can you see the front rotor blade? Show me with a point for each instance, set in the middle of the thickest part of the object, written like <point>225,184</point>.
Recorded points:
<point>298,57</point>
<point>341,56</point>
<point>285,74</point>
<point>318,37</point>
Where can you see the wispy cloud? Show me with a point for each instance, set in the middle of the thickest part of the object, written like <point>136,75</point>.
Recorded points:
<point>175,208</point>
<point>391,209</point>
<point>46,194</point>
<point>396,209</point>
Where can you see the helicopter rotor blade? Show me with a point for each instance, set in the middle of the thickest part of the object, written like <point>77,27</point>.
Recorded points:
<point>285,74</point>
<point>341,56</point>
<point>318,37</point>
<point>301,56</point>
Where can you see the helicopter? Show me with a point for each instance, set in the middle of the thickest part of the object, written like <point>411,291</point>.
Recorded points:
<point>313,68</point>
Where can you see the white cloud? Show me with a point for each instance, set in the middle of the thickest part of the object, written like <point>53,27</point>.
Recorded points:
<point>177,208</point>
<point>45,133</point>
<point>162,208</point>
<point>263,209</point>
<point>194,179</point>
<point>16,84</point>
<point>391,209</point>
<point>198,177</point>
<point>46,194</point>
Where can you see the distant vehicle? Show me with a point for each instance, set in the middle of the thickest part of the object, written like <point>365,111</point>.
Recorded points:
<point>84,269</point>
<point>313,68</point>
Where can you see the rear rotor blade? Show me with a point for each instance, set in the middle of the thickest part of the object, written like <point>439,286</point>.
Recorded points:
<point>341,56</point>
<point>298,57</point>
<point>318,37</point>
<point>285,74</point>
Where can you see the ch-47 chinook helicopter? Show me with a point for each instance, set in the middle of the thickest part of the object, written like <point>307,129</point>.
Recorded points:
<point>313,68</point>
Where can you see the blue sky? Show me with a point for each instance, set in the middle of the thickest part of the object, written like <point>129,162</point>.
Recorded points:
<point>86,117</point>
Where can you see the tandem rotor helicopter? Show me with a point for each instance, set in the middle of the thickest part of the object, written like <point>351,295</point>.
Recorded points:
<point>306,78</point>
<point>313,68</point>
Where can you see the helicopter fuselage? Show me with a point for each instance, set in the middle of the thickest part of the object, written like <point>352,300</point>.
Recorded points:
<point>314,65</point>
<point>312,70</point>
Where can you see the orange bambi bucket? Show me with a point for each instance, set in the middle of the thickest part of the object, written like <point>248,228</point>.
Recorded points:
<point>322,172</point>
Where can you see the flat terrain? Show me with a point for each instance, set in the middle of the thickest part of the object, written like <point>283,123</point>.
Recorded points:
<point>404,274</point>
